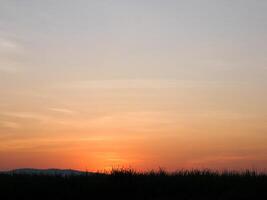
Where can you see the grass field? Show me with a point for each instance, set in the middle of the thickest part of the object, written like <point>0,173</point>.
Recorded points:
<point>128,184</point>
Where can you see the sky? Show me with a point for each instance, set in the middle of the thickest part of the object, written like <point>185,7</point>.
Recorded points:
<point>94,85</point>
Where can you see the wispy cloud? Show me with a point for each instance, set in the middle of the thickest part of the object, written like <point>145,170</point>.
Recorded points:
<point>36,116</point>
<point>9,124</point>
<point>143,84</point>
<point>10,45</point>
<point>29,116</point>
<point>61,110</point>
<point>120,84</point>
<point>11,52</point>
<point>7,68</point>
<point>125,84</point>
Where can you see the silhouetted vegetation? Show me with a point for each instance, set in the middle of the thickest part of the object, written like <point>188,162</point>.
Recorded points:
<point>129,184</point>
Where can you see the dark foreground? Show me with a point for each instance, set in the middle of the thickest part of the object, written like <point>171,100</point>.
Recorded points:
<point>127,184</point>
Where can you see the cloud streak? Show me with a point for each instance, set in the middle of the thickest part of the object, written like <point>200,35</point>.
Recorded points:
<point>141,84</point>
<point>9,124</point>
<point>8,45</point>
<point>61,110</point>
<point>11,52</point>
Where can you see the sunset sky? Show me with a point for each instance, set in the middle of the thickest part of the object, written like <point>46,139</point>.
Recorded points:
<point>91,85</point>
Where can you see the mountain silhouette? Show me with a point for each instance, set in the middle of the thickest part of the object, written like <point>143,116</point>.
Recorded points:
<point>56,172</point>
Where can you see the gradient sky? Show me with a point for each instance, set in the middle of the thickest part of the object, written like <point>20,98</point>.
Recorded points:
<point>99,84</point>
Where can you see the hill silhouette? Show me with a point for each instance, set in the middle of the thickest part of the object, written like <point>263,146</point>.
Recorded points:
<point>32,171</point>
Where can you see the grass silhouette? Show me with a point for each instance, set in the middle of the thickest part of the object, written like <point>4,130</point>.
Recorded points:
<point>130,184</point>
